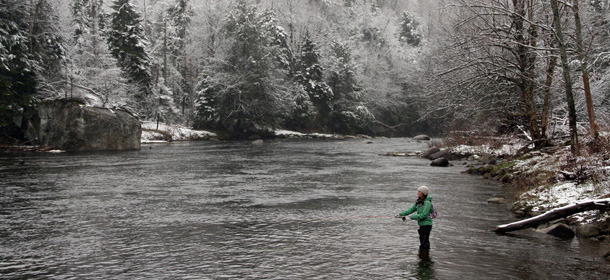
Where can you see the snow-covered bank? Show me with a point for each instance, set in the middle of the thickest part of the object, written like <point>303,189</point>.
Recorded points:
<point>153,133</point>
<point>568,180</point>
<point>293,134</point>
<point>547,180</point>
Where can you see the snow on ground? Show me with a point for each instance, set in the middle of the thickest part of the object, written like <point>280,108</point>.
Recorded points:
<point>506,149</point>
<point>294,134</point>
<point>549,196</point>
<point>564,192</point>
<point>153,134</point>
<point>165,133</point>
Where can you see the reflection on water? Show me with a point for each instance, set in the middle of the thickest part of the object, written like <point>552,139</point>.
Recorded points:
<point>425,265</point>
<point>283,210</point>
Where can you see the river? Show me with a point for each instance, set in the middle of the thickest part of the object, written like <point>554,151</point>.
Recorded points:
<point>282,210</point>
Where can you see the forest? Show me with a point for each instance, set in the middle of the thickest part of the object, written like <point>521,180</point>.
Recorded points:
<point>540,69</point>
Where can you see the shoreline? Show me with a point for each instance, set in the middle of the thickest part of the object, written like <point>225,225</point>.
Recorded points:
<point>545,180</point>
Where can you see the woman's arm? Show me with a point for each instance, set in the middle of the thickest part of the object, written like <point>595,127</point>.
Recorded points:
<point>408,211</point>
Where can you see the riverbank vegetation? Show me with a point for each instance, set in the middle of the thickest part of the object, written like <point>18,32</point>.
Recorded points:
<point>392,68</point>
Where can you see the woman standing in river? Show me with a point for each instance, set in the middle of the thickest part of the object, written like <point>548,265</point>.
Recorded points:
<point>423,206</point>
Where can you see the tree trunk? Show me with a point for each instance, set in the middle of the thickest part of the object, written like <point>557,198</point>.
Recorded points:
<point>165,50</point>
<point>567,78</point>
<point>546,107</point>
<point>585,71</point>
<point>557,213</point>
<point>526,39</point>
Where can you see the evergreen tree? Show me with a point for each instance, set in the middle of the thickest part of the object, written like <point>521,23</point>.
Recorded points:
<point>349,114</point>
<point>409,30</point>
<point>311,78</point>
<point>88,17</point>
<point>178,39</point>
<point>127,45</point>
<point>17,68</point>
<point>46,45</point>
<point>180,18</point>
<point>92,67</point>
<point>245,82</point>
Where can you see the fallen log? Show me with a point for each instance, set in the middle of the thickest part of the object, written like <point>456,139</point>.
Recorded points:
<point>557,213</point>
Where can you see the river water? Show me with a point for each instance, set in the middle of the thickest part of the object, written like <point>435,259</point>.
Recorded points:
<point>281,210</point>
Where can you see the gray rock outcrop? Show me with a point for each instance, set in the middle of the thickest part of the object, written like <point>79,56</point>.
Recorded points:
<point>71,126</point>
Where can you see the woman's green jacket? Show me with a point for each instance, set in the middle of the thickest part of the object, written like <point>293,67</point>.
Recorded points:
<point>423,212</point>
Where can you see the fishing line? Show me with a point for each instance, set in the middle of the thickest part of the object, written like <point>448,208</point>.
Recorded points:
<point>325,220</point>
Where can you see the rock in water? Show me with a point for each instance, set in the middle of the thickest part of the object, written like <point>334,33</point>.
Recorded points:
<point>496,200</point>
<point>430,152</point>
<point>440,162</point>
<point>559,230</point>
<point>71,126</point>
<point>440,154</point>
<point>588,230</point>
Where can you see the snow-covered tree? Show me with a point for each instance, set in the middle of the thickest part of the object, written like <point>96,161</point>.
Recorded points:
<point>310,76</point>
<point>245,81</point>
<point>93,72</point>
<point>46,45</point>
<point>180,20</point>
<point>17,68</point>
<point>88,17</point>
<point>349,114</point>
<point>409,30</point>
<point>127,45</point>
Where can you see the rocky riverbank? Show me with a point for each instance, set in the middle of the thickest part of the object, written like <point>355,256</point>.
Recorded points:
<point>547,179</point>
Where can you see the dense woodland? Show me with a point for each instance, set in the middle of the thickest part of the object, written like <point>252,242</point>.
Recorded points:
<point>379,67</point>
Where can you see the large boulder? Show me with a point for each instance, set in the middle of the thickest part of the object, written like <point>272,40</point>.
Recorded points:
<point>71,126</point>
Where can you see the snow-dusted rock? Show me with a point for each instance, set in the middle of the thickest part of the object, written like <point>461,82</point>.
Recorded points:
<point>441,154</point>
<point>71,126</point>
<point>430,152</point>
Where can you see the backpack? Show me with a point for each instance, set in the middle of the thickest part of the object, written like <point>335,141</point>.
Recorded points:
<point>433,213</point>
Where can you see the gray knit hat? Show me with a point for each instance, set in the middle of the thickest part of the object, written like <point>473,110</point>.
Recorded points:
<point>423,189</point>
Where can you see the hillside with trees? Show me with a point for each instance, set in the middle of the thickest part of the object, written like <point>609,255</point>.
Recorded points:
<point>383,67</point>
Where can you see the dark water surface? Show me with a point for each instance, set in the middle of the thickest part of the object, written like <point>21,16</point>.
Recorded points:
<point>283,210</point>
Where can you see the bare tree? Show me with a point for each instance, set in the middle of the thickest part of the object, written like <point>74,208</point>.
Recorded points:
<point>566,76</point>
<point>580,49</point>
<point>497,44</point>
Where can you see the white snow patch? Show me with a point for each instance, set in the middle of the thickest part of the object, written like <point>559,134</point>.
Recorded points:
<point>294,134</point>
<point>151,133</point>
